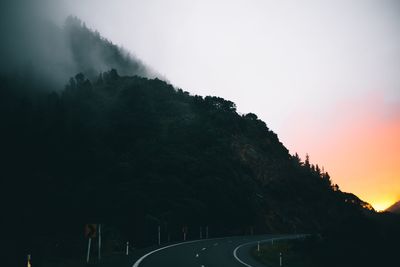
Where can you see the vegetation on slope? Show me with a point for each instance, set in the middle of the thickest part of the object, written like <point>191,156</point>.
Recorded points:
<point>136,154</point>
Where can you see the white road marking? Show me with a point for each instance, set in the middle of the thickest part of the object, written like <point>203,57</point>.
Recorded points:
<point>197,255</point>
<point>203,248</point>
<point>136,264</point>
<point>215,244</point>
<point>237,258</point>
<point>235,251</point>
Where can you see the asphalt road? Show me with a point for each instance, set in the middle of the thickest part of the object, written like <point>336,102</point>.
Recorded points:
<point>229,251</point>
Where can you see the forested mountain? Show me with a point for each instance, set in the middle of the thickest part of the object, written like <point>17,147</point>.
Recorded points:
<point>130,151</point>
<point>138,153</point>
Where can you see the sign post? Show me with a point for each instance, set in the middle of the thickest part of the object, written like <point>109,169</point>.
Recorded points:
<point>127,248</point>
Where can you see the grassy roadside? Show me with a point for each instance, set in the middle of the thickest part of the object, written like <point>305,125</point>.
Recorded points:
<point>292,254</point>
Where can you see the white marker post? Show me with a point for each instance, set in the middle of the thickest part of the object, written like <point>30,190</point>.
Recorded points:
<point>88,250</point>
<point>99,255</point>
<point>184,230</point>
<point>29,260</point>
<point>258,246</point>
<point>159,235</point>
<point>127,248</point>
<point>280,259</point>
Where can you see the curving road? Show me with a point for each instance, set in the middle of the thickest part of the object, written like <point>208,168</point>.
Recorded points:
<point>229,251</point>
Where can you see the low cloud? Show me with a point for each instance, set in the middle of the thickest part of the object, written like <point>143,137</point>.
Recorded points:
<point>33,44</point>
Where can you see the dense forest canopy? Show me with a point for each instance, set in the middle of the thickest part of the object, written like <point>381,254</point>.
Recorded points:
<point>139,149</point>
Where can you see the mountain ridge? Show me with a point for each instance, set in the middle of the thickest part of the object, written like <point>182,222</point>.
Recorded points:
<point>394,208</point>
<point>141,157</point>
<point>117,134</point>
<point>138,154</point>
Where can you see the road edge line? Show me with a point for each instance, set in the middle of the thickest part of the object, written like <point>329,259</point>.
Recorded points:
<point>254,242</point>
<point>136,264</point>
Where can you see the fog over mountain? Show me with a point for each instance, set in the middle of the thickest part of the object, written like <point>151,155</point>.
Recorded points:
<point>33,44</point>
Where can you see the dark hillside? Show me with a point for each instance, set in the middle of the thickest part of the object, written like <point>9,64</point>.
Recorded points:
<point>395,208</point>
<point>137,153</point>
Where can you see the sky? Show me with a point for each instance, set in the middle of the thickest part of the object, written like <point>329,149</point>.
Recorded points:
<point>324,75</point>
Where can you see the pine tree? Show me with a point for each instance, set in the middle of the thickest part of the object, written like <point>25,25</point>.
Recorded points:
<point>318,170</point>
<point>307,162</point>
<point>297,159</point>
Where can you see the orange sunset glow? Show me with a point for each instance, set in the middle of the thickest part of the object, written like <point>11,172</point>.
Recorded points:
<point>359,146</point>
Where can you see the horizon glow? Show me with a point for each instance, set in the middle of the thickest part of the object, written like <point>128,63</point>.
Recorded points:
<point>324,75</point>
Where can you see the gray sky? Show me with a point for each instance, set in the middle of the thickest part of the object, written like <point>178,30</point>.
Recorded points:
<point>313,70</point>
<point>270,57</point>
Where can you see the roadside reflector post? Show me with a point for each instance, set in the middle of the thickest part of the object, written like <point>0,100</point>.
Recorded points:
<point>127,248</point>
<point>280,259</point>
<point>159,235</point>
<point>29,260</point>
<point>99,255</point>
<point>88,250</point>
<point>90,232</point>
<point>184,231</point>
<point>258,246</point>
